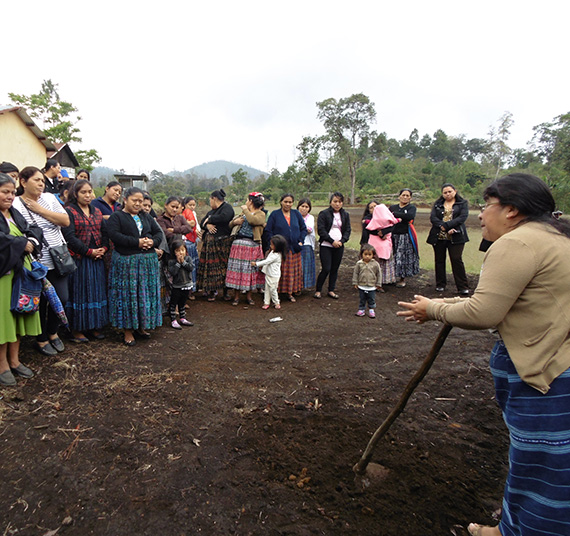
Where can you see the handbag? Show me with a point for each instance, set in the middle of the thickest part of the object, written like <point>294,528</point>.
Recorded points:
<point>62,260</point>
<point>26,289</point>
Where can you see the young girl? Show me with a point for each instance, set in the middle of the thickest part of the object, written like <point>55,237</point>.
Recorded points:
<point>181,268</point>
<point>380,228</point>
<point>367,277</point>
<point>271,267</point>
<point>366,217</point>
<point>308,250</point>
<point>191,239</point>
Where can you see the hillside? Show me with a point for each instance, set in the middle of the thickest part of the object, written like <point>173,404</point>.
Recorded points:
<point>218,168</point>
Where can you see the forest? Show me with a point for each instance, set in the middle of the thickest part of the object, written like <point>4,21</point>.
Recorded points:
<point>362,163</point>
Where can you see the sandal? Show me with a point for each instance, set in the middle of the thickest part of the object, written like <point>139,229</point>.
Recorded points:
<point>317,295</point>
<point>277,306</point>
<point>401,284</point>
<point>250,302</point>
<point>235,302</point>
<point>332,295</point>
<point>291,299</point>
<point>477,530</point>
<point>265,307</point>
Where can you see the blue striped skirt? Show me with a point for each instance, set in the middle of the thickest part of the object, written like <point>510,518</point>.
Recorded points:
<point>87,307</point>
<point>308,262</point>
<point>134,291</point>
<point>537,492</point>
<point>192,250</point>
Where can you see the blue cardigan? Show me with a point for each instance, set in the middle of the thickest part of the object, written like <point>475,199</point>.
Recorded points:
<point>294,233</point>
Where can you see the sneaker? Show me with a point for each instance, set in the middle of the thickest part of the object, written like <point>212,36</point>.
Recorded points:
<point>176,325</point>
<point>360,312</point>
<point>184,322</point>
<point>371,313</point>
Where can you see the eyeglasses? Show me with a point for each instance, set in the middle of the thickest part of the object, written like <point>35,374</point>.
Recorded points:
<point>486,205</point>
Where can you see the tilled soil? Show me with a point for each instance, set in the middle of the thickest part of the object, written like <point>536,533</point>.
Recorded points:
<point>242,426</point>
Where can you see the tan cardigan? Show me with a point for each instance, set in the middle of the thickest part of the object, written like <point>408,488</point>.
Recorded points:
<point>524,290</point>
<point>256,220</point>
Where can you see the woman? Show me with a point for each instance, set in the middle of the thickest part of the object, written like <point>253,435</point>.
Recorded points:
<point>304,206</point>
<point>289,223</point>
<point>523,291</point>
<point>109,203</point>
<point>246,248</point>
<point>171,220</point>
<point>44,210</point>
<point>217,242</point>
<point>448,233</point>
<point>366,217</point>
<point>83,174</point>
<point>406,258</point>
<point>87,309</point>
<point>333,226</point>
<point>191,238</point>
<point>134,290</point>
<point>15,248</point>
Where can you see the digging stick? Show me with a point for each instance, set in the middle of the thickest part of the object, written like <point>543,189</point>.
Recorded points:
<point>360,467</point>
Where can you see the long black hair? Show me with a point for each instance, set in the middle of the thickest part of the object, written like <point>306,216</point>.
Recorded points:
<point>530,196</point>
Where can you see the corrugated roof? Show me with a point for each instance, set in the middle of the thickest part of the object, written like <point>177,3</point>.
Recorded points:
<point>29,122</point>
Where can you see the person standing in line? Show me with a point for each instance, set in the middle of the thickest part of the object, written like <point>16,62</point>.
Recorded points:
<point>181,269</point>
<point>271,267</point>
<point>308,250</point>
<point>449,234</point>
<point>366,278</point>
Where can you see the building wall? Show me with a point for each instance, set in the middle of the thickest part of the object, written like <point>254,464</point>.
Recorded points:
<point>18,144</point>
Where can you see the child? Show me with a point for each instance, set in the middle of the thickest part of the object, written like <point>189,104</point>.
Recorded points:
<point>366,217</point>
<point>271,267</point>
<point>180,267</point>
<point>191,239</point>
<point>367,277</point>
<point>308,250</point>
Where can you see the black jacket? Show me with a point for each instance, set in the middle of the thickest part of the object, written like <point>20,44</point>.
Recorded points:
<point>12,247</point>
<point>325,221</point>
<point>457,222</point>
<point>122,231</point>
<point>221,218</point>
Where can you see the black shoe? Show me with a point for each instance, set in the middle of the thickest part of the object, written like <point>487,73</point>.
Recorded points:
<point>129,343</point>
<point>141,334</point>
<point>57,344</point>
<point>464,292</point>
<point>440,289</point>
<point>48,349</point>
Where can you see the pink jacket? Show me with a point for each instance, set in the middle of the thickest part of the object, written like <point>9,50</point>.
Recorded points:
<point>381,218</point>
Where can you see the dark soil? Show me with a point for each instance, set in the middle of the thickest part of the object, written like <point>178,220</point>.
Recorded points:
<point>242,426</point>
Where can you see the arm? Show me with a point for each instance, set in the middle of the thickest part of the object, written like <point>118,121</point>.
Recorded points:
<point>73,242</point>
<point>254,218</point>
<point>461,217</point>
<point>323,227</point>
<point>406,216</point>
<point>225,214</point>
<point>346,230</point>
<point>181,226</point>
<point>434,218</point>
<point>119,232</point>
<point>355,274</point>
<point>57,215</point>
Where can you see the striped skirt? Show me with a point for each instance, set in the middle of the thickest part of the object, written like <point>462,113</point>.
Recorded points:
<point>291,274</point>
<point>87,307</point>
<point>241,275</point>
<point>406,259</point>
<point>192,250</point>
<point>308,262</point>
<point>134,291</point>
<point>213,262</point>
<point>537,492</point>
<point>387,267</point>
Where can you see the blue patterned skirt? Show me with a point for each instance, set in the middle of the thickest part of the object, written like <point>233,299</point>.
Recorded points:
<point>134,291</point>
<point>406,259</point>
<point>192,250</point>
<point>308,262</point>
<point>87,307</point>
<point>537,492</point>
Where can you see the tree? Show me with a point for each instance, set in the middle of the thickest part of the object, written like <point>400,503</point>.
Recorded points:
<point>551,141</point>
<point>498,137</point>
<point>347,122</point>
<point>58,119</point>
<point>240,185</point>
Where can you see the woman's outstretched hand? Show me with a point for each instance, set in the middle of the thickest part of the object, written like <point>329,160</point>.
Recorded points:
<point>416,310</point>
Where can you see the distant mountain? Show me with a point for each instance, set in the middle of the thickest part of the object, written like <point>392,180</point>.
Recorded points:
<point>212,170</point>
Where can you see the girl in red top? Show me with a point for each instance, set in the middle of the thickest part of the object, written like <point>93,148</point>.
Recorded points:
<point>191,239</point>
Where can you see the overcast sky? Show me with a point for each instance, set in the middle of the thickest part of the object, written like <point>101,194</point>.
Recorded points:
<point>168,85</point>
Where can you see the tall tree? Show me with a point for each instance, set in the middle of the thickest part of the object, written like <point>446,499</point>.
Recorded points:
<point>347,122</point>
<point>498,138</point>
<point>551,141</point>
<point>58,119</point>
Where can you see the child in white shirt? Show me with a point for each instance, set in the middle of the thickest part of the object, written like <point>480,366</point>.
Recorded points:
<point>271,267</point>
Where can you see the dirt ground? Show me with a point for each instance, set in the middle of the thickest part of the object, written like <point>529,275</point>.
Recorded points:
<point>242,426</point>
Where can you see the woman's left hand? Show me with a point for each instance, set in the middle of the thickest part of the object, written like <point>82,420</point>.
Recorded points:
<point>29,247</point>
<point>416,310</point>
<point>211,228</point>
<point>337,244</point>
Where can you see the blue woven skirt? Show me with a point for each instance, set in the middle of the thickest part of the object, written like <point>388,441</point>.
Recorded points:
<point>134,291</point>
<point>87,307</point>
<point>537,492</point>
<point>308,262</point>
